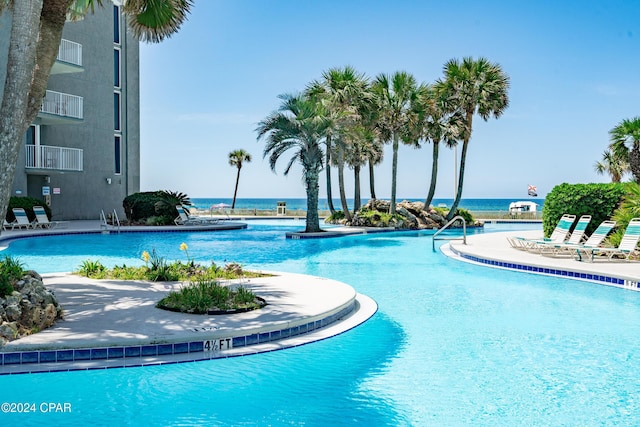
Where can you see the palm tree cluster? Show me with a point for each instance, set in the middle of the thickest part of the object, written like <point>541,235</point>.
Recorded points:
<point>345,118</point>
<point>623,153</point>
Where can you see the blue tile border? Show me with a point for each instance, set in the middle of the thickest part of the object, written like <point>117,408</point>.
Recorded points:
<point>123,352</point>
<point>605,280</point>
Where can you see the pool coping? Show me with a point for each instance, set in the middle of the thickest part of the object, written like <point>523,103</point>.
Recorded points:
<point>493,250</point>
<point>244,333</point>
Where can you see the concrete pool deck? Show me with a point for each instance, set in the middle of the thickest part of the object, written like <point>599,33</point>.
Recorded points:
<point>493,249</point>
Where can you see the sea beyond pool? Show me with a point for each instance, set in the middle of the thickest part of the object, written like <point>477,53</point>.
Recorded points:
<point>473,205</point>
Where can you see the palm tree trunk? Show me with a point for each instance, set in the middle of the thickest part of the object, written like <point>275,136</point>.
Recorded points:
<point>356,195</point>
<point>343,195</point>
<point>313,222</point>
<point>372,187</point>
<point>21,60</point>
<point>463,157</point>
<point>327,163</point>
<point>394,174</point>
<point>434,174</point>
<point>235,192</point>
<point>634,162</point>
<point>456,202</point>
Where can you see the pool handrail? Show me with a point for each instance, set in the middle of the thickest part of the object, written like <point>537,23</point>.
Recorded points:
<point>454,219</point>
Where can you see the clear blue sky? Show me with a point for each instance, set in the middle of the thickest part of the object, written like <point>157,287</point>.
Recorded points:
<point>574,68</point>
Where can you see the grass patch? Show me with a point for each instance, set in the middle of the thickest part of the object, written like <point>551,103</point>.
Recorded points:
<point>208,296</point>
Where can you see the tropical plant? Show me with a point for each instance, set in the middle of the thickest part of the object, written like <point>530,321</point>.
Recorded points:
<point>237,158</point>
<point>342,92</point>
<point>629,209</point>
<point>207,295</point>
<point>613,165</point>
<point>92,268</point>
<point>168,200</point>
<point>394,96</point>
<point>440,125</point>
<point>36,31</point>
<point>298,125</point>
<point>625,143</point>
<point>474,87</point>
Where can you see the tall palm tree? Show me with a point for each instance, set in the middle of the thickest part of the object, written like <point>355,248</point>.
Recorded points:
<point>237,158</point>
<point>475,87</point>
<point>360,149</point>
<point>343,91</point>
<point>394,95</point>
<point>36,31</point>
<point>613,165</point>
<point>625,143</point>
<point>440,125</point>
<point>299,125</point>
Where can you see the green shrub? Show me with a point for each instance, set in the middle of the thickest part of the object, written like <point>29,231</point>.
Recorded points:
<point>93,269</point>
<point>11,270</point>
<point>26,203</point>
<point>336,216</point>
<point>468,218</point>
<point>154,207</point>
<point>202,296</point>
<point>598,200</point>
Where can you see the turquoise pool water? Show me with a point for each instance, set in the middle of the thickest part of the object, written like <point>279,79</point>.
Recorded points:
<point>451,344</point>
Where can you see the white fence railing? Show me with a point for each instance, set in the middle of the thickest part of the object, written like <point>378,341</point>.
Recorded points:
<point>58,158</point>
<point>70,52</point>
<point>62,104</point>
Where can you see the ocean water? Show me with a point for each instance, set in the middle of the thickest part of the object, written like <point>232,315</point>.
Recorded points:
<point>474,205</point>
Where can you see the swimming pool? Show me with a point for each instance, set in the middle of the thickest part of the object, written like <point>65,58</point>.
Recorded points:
<point>452,344</point>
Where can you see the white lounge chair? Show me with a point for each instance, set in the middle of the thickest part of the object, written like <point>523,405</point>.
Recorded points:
<point>594,241</point>
<point>42,220</point>
<point>8,225</point>
<point>628,245</point>
<point>22,220</point>
<point>558,235</point>
<point>184,218</point>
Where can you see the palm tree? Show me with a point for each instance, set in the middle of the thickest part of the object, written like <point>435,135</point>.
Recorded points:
<point>299,125</point>
<point>440,125</point>
<point>237,158</point>
<point>475,87</point>
<point>394,95</point>
<point>625,143</point>
<point>360,149</point>
<point>36,31</point>
<point>342,91</point>
<point>613,165</point>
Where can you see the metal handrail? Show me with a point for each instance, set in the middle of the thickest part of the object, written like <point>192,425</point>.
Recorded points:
<point>454,219</point>
<point>117,220</point>
<point>104,224</point>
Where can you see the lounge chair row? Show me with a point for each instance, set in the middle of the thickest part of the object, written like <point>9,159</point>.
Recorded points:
<point>184,218</point>
<point>22,220</point>
<point>564,242</point>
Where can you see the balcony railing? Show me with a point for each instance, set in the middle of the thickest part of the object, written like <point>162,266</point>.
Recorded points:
<point>70,52</point>
<point>62,104</point>
<point>56,158</point>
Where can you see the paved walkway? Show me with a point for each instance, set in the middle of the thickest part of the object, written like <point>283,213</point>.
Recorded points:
<point>493,249</point>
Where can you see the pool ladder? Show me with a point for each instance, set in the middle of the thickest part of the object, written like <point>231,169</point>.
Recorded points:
<point>104,225</point>
<point>464,232</point>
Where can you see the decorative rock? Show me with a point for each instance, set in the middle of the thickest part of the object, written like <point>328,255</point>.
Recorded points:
<point>31,308</point>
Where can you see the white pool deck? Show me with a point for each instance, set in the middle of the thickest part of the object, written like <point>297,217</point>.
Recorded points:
<point>122,313</point>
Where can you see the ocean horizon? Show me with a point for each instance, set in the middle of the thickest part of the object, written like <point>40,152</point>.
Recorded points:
<point>471,204</point>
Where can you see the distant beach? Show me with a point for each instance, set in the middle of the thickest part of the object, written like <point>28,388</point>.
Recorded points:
<point>473,205</point>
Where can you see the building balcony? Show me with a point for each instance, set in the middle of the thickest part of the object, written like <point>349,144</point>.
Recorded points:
<point>49,158</point>
<point>60,108</point>
<point>69,59</point>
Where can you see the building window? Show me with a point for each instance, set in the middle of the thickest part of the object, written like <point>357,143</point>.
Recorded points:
<point>116,24</point>
<point>117,153</point>
<point>116,67</point>
<point>116,111</point>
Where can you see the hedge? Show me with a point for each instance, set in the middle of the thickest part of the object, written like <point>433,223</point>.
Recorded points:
<point>598,200</point>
